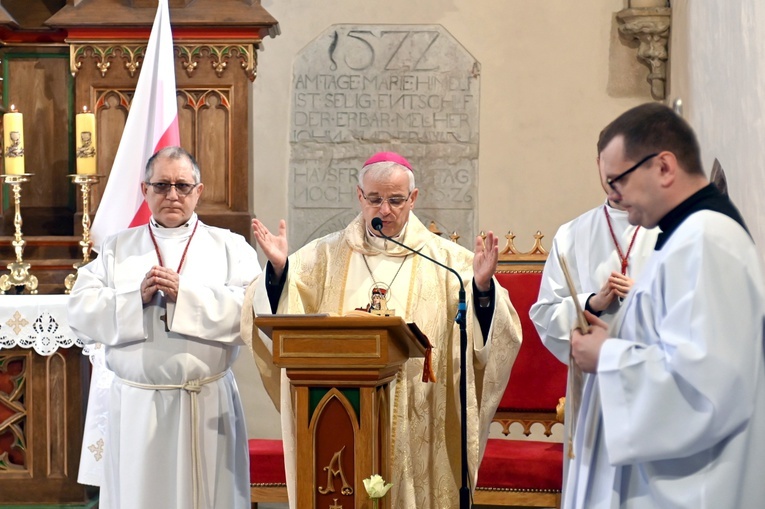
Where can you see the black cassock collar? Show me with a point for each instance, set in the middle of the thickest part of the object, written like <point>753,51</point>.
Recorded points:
<point>707,198</point>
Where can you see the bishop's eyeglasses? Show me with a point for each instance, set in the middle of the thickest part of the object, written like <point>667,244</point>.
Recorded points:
<point>614,181</point>
<point>394,201</point>
<point>183,188</point>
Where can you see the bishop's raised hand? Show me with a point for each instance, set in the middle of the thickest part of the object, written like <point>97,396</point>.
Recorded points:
<point>485,260</point>
<point>274,246</point>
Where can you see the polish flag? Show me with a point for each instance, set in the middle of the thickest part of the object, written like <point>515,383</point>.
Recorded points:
<point>152,124</point>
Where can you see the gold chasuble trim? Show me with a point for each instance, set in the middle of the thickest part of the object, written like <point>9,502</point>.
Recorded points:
<point>346,270</point>
<point>400,386</point>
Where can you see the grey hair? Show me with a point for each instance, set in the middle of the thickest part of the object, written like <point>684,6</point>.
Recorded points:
<point>172,153</point>
<point>383,170</point>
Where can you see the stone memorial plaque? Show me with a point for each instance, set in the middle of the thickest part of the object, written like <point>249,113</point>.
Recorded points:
<point>361,89</point>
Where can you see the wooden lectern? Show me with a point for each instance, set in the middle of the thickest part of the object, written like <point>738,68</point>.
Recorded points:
<point>339,369</point>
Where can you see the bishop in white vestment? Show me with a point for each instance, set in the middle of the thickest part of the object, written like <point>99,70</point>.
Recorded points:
<point>674,414</point>
<point>340,273</point>
<point>165,300</point>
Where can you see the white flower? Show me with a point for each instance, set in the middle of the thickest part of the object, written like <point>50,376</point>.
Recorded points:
<point>376,487</point>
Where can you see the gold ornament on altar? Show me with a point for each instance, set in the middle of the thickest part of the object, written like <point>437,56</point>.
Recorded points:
<point>14,176</point>
<point>20,277</point>
<point>85,177</point>
<point>84,181</point>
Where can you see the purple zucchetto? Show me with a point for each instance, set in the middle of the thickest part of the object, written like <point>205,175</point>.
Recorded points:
<point>391,157</point>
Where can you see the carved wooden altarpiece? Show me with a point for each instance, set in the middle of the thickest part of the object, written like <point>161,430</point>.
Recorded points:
<point>58,56</point>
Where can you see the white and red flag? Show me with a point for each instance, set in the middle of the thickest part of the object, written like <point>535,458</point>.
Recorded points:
<point>152,124</point>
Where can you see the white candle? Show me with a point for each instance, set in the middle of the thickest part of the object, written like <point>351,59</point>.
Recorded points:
<point>13,146</point>
<point>85,128</point>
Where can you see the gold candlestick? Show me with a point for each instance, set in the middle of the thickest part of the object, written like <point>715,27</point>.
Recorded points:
<point>84,181</point>
<point>20,275</point>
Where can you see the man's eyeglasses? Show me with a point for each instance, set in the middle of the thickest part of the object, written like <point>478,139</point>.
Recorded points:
<point>182,188</point>
<point>614,181</point>
<point>394,201</point>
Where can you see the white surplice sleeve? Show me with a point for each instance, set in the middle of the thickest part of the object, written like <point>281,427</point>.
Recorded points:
<point>554,313</point>
<point>689,368</point>
<point>99,313</point>
<point>211,311</point>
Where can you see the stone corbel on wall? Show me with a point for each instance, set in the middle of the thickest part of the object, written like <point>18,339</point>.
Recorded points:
<point>648,21</point>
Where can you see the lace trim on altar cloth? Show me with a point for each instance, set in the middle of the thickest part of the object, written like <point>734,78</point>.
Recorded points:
<point>37,322</point>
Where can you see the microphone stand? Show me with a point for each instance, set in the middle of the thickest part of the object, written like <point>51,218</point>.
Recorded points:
<point>461,319</point>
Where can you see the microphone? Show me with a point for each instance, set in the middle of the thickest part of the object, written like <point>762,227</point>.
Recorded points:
<point>461,319</point>
<point>377,224</point>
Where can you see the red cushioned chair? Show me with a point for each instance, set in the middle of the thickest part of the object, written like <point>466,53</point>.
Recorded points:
<point>524,472</point>
<point>267,477</point>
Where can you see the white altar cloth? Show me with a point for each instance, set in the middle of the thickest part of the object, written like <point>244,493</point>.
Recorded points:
<point>36,321</point>
<point>40,322</point>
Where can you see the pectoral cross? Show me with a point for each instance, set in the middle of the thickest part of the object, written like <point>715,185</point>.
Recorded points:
<point>163,317</point>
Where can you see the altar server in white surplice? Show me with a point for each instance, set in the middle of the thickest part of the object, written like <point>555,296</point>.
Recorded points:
<point>674,414</point>
<point>165,299</point>
<point>604,254</point>
<point>354,269</point>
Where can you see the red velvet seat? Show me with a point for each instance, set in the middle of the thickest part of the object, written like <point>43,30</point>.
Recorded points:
<point>267,476</point>
<point>518,465</point>
<point>268,464</point>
